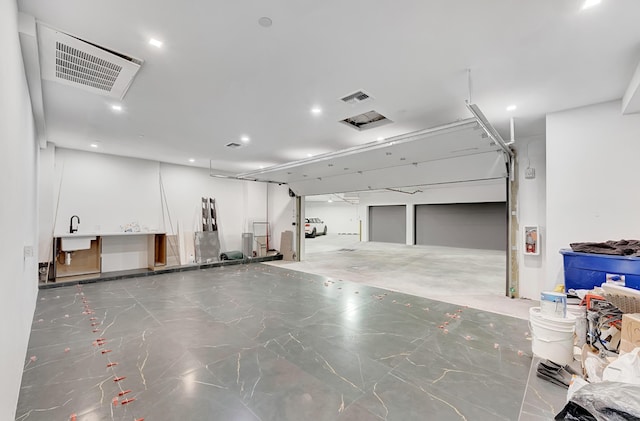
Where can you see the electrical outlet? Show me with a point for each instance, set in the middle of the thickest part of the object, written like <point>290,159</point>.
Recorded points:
<point>530,173</point>
<point>28,251</point>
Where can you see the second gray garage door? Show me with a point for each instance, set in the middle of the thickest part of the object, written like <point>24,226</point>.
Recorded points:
<point>467,225</point>
<point>388,224</point>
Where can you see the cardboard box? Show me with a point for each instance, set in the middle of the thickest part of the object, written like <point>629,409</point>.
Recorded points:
<point>630,332</point>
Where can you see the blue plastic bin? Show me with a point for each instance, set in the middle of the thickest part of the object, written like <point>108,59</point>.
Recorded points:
<point>587,270</point>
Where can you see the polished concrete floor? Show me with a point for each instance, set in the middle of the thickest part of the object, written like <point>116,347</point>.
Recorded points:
<point>475,278</point>
<point>257,342</point>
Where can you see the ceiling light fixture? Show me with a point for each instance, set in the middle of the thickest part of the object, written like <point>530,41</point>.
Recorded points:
<point>245,139</point>
<point>192,160</point>
<point>155,42</point>
<point>330,201</point>
<point>116,107</point>
<point>380,139</point>
<point>589,4</point>
<point>265,22</point>
<point>94,145</point>
<point>316,110</point>
<point>512,107</point>
<point>309,155</point>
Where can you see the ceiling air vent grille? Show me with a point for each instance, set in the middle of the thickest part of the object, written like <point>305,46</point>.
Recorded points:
<point>366,120</point>
<point>82,64</point>
<point>80,67</point>
<point>356,97</point>
<point>233,145</point>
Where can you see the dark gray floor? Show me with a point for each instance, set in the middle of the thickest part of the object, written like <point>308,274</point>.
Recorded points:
<point>256,342</point>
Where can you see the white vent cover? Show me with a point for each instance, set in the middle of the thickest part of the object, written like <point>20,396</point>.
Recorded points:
<point>74,62</point>
<point>356,97</point>
<point>366,120</point>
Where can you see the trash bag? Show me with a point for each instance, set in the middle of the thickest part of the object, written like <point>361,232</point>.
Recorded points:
<point>605,401</point>
<point>625,369</point>
<point>231,255</point>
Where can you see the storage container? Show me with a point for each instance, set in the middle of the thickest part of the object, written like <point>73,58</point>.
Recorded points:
<point>587,270</point>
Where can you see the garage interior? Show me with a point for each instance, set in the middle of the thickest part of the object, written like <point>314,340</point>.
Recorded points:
<point>142,143</point>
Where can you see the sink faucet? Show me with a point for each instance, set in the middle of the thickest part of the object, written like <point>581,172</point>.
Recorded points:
<point>71,229</point>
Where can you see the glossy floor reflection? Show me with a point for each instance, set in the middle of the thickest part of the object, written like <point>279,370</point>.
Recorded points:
<point>256,342</point>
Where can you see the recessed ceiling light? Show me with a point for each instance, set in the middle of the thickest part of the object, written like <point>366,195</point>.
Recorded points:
<point>94,145</point>
<point>309,155</point>
<point>512,107</point>
<point>155,42</point>
<point>590,3</point>
<point>265,22</point>
<point>116,107</point>
<point>192,160</point>
<point>261,167</point>
<point>330,201</point>
<point>316,110</point>
<point>380,139</point>
<point>245,139</point>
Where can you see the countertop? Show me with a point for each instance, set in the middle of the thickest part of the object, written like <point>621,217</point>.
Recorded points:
<point>105,234</point>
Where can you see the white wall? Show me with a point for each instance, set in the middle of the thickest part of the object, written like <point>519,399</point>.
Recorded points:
<point>531,204</point>
<point>340,217</point>
<point>46,204</point>
<point>466,192</point>
<point>282,214</point>
<point>108,191</point>
<point>18,219</point>
<point>105,191</point>
<point>593,154</point>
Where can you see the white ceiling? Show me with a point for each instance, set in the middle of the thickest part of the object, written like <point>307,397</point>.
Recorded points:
<point>219,75</point>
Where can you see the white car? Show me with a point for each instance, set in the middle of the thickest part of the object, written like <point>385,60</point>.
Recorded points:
<point>313,227</point>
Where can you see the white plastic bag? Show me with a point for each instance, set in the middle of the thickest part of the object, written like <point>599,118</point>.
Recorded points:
<point>625,369</point>
<point>575,384</point>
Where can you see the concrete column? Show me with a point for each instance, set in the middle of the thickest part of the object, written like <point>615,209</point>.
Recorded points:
<point>411,220</point>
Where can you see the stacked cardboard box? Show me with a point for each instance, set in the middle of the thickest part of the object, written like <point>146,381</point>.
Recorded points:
<point>286,245</point>
<point>630,332</point>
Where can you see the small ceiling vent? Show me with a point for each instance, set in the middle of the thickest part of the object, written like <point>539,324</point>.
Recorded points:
<point>356,97</point>
<point>233,145</point>
<point>75,62</point>
<point>366,120</point>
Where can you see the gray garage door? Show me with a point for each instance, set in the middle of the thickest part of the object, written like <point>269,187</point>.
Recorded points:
<point>388,224</point>
<point>468,225</point>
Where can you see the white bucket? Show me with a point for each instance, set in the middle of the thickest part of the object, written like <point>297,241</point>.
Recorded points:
<point>552,336</point>
<point>580,312</point>
<point>553,304</point>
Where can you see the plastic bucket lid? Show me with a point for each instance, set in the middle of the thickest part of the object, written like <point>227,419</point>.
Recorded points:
<point>553,296</point>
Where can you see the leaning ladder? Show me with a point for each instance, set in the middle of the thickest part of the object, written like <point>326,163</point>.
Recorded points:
<point>209,220</point>
<point>207,242</point>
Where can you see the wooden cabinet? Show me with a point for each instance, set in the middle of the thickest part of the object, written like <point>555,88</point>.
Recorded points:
<point>111,252</point>
<point>83,263</point>
<point>157,247</point>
